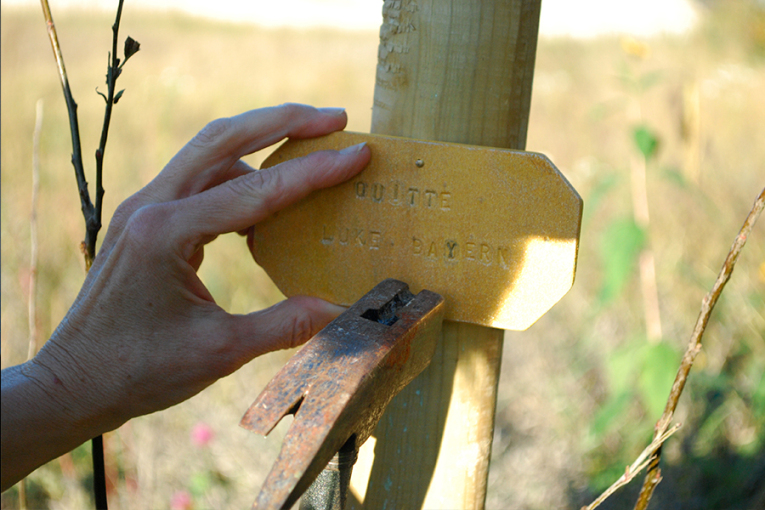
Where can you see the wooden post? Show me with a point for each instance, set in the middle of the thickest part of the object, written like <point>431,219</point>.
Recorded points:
<point>457,71</point>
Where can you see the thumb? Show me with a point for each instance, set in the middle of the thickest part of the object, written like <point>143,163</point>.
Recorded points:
<point>287,324</point>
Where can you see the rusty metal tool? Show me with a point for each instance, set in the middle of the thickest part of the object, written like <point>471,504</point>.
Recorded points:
<point>340,382</point>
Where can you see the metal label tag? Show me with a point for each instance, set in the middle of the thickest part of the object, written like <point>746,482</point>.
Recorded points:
<point>494,231</point>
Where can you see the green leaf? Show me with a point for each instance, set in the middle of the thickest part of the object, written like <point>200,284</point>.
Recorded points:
<point>599,191</point>
<point>620,245</point>
<point>118,96</point>
<point>623,365</point>
<point>660,366</point>
<point>646,141</point>
<point>758,399</point>
<point>199,484</point>
<point>606,418</point>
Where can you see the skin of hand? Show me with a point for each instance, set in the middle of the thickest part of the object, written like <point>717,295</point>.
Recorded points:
<point>144,333</point>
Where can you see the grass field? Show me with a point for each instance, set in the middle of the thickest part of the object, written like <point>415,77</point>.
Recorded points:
<point>579,389</point>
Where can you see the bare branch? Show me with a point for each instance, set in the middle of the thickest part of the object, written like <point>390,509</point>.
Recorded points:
<point>88,211</point>
<point>633,469</point>
<point>651,455</point>
<point>113,71</point>
<point>91,213</point>
<point>653,476</point>
<point>32,303</point>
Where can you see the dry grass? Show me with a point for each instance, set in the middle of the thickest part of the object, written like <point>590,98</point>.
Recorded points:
<point>554,377</point>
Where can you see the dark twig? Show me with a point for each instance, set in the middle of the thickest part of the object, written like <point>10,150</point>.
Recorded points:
<point>99,473</point>
<point>88,211</point>
<point>653,476</point>
<point>113,71</point>
<point>92,213</point>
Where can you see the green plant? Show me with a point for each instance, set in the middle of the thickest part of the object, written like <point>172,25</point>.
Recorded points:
<point>640,372</point>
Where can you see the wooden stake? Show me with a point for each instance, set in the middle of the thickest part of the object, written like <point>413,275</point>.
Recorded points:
<point>458,72</point>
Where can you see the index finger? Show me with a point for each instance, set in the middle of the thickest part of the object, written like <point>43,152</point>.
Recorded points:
<point>246,200</point>
<point>206,160</point>
<point>212,156</point>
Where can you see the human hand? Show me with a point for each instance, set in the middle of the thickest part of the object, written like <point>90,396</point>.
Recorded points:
<point>144,333</point>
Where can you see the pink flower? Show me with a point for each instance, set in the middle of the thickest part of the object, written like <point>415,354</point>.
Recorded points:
<point>202,434</point>
<point>181,500</point>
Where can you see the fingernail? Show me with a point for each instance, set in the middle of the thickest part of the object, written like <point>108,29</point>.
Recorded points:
<point>353,149</point>
<point>332,111</point>
<point>335,310</point>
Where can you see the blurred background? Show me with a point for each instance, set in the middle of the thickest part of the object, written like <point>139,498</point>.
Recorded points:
<point>653,110</point>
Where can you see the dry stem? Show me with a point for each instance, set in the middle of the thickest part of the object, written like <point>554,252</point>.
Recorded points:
<point>32,302</point>
<point>652,454</point>
<point>653,476</point>
<point>88,210</point>
<point>633,469</point>
<point>91,212</point>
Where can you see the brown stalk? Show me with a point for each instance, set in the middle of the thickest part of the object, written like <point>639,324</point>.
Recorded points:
<point>633,469</point>
<point>32,302</point>
<point>662,431</point>
<point>653,476</point>
<point>88,210</point>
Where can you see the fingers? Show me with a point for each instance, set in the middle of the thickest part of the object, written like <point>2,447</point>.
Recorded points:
<point>208,158</point>
<point>237,204</point>
<point>287,324</point>
<point>238,169</point>
<point>197,258</point>
<point>212,157</point>
<point>145,197</point>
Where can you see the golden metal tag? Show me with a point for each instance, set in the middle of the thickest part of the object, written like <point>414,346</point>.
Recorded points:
<point>494,231</point>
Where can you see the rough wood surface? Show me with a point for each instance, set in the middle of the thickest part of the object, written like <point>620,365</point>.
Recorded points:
<point>457,71</point>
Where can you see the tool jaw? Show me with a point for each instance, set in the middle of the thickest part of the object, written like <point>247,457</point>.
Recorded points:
<point>408,346</point>
<point>340,382</point>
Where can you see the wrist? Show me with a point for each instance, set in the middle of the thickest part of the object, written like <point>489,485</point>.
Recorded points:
<point>74,388</point>
<point>39,422</point>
